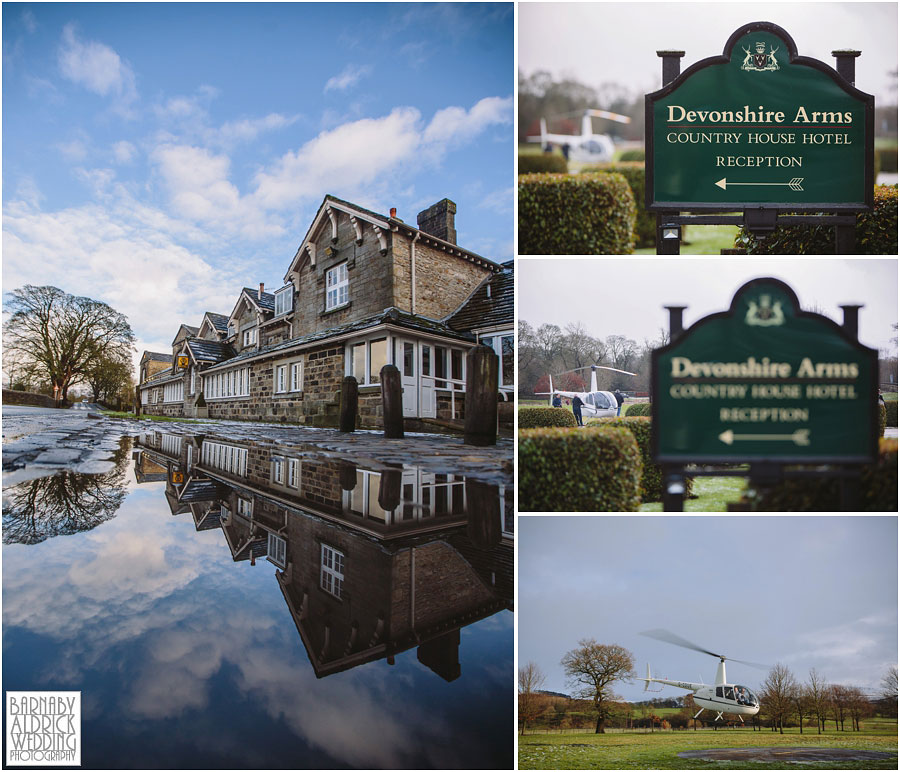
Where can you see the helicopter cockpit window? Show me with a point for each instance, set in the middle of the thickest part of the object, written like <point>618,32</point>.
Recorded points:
<point>592,146</point>
<point>718,691</point>
<point>589,400</point>
<point>601,400</point>
<point>744,696</point>
<point>729,693</point>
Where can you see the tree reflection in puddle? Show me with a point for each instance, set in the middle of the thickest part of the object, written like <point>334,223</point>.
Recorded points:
<point>64,503</point>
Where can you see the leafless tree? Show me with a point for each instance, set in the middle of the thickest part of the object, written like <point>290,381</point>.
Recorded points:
<point>56,333</point>
<point>818,697</point>
<point>777,693</point>
<point>802,702</point>
<point>530,680</point>
<point>592,669</point>
<point>889,691</point>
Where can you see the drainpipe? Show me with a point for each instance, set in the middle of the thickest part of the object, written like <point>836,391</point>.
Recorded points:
<point>412,271</point>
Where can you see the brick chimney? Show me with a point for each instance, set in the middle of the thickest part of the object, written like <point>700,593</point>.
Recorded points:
<point>262,288</point>
<point>439,220</point>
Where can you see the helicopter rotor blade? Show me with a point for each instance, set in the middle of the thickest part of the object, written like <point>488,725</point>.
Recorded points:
<point>677,640</point>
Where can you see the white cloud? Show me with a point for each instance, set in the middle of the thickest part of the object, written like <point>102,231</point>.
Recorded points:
<point>29,22</point>
<point>123,152</point>
<point>96,66</point>
<point>350,76</point>
<point>73,151</point>
<point>248,129</point>
<point>455,124</point>
<point>499,201</point>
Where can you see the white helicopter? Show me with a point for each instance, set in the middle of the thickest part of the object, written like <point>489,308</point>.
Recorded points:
<point>722,697</point>
<point>586,147</point>
<point>597,404</point>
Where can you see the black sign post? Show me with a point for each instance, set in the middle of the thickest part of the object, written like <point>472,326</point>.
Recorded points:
<point>762,131</point>
<point>766,384</point>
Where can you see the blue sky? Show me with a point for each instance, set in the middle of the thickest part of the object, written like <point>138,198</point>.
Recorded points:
<point>161,156</point>
<point>806,591</point>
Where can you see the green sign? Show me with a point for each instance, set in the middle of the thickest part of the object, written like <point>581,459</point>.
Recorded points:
<point>764,381</point>
<point>760,126</point>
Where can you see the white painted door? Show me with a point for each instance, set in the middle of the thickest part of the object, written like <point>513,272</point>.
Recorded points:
<point>427,404</point>
<point>405,357</point>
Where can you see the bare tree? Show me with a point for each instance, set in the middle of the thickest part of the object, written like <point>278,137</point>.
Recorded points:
<point>889,690</point>
<point>802,702</point>
<point>530,680</point>
<point>53,332</point>
<point>592,669</point>
<point>818,697</point>
<point>777,695</point>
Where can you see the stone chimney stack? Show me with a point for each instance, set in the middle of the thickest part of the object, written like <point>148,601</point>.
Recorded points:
<point>439,220</point>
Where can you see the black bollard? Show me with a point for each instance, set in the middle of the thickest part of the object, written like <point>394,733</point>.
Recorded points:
<point>392,402</point>
<point>484,526</point>
<point>389,489</point>
<point>482,366</point>
<point>349,403</point>
<point>137,400</point>
<point>347,476</point>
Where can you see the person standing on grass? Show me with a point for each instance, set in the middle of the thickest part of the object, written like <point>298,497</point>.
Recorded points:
<point>557,400</point>
<point>620,398</point>
<point>576,409</point>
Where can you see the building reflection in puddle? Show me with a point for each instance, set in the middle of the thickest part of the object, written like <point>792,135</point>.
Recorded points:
<point>371,562</point>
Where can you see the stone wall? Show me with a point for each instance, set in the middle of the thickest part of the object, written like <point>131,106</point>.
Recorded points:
<point>444,281</point>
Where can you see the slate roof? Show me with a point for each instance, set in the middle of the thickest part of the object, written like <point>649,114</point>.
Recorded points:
<point>481,311</point>
<point>219,321</point>
<point>202,490</point>
<point>266,302</point>
<point>209,350</point>
<point>153,356</point>
<point>389,315</point>
<point>161,376</point>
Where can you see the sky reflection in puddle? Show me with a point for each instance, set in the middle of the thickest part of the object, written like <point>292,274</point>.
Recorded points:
<point>241,632</point>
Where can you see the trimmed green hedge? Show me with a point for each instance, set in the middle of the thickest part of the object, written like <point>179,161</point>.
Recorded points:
<point>891,406</point>
<point>632,155</point>
<point>544,163</point>
<point>878,488</point>
<point>639,408</point>
<point>645,222</point>
<point>543,417</point>
<point>652,478</point>
<point>584,214</point>
<point>577,470</point>
<point>876,233</point>
<point>882,419</point>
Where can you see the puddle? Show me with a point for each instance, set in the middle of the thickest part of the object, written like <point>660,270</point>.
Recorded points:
<point>205,591</point>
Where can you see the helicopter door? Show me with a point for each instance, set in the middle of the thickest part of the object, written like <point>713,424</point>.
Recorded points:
<point>729,693</point>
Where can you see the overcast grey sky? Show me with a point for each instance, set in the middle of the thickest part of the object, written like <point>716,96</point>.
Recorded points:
<point>814,591</point>
<point>598,42</point>
<point>625,296</point>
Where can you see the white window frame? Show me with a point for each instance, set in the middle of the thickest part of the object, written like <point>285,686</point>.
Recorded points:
<point>293,473</point>
<point>276,551</point>
<point>229,384</point>
<point>367,365</point>
<point>145,396</point>
<point>245,507</point>
<point>332,571</point>
<point>193,380</point>
<point>287,377</point>
<point>337,286</point>
<point>277,474</point>
<point>226,458</point>
<point>249,337</point>
<point>497,346</point>
<point>283,306</point>
<point>281,379</point>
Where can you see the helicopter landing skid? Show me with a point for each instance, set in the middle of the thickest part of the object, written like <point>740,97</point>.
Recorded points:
<point>719,715</point>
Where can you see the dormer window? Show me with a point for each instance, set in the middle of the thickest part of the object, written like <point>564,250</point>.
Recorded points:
<point>250,336</point>
<point>337,287</point>
<point>284,300</point>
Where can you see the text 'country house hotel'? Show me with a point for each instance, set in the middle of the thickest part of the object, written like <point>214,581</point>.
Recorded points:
<point>362,291</point>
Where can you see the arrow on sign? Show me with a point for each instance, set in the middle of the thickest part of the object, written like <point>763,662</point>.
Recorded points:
<point>799,437</point>
<point>794,184</point>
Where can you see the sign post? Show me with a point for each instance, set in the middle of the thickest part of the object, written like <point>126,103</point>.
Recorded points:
<point>762,131</point>
<point>764,383</point>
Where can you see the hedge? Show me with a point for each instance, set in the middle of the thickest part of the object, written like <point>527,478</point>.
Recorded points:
<point>891,408</point>
<point>639,408</point>
<point>652,477</point>
<point>878,488</point>
<point>547,162</point>
<point>876,233</point>
<point>645,222</point>
<point>887,159</point>
<point>584,214</point>
<point>882,419</point>
<point>543,417</point>
<point>632,155</point>
<point>576,470</point>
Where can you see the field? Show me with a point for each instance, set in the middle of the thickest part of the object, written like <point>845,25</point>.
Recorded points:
<point>634,750</point>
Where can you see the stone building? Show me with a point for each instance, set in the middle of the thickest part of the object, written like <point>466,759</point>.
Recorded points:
<point>362,290</point>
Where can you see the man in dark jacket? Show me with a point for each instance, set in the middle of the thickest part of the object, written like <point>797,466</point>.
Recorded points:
<point>620,398</point>
<point>557,400</point>
<point>576,408</point>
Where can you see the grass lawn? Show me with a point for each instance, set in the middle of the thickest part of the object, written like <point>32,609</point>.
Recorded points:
<point>890,396</point>
<point>713,495</point>
<point>627,750</point>
<point>133,417</point>
<point>702,240</point>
